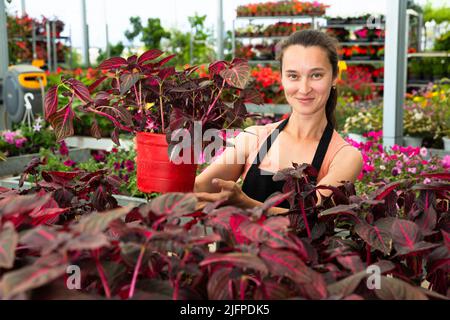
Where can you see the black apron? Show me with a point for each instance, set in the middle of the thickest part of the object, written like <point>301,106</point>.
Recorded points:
<point>261,186</point>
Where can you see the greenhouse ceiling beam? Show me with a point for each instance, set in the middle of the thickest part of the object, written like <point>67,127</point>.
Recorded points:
<point>395,63</point>
<point>220,29</point>
<point>4,58</point>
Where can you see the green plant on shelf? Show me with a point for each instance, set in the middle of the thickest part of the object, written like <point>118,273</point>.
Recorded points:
<point>366,120</point>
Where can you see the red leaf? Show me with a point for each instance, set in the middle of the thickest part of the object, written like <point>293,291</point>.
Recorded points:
<point>96,83</point>
<point>62,123</point>
<point>30,277</point>
<point>127,81</point>
<point>8,243</point>
<point>396,289</point>
<point>218,284</point>
<point>238,259</point>
<point>237,76</point>
<point>440,175</point>
<point>351,262</point>
<point>405,234</point>
<point>95,130</point>
<point>113,63</point>
<point>149,55</point>
<point>340,210</point>
<point>284,263</point>
<point>173,204</point>
<point>165,60</point>
<point>216,67</point>
<point>51,101</point>
<point>80,90</point>
<point>166,73</point>
<point>383,192</point>
<point>376,238</point>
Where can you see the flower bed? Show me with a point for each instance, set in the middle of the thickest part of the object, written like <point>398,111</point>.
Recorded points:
<point>396,164</point>
<point>148,252</point>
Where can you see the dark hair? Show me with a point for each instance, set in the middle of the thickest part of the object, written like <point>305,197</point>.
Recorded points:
<point>310,38</point>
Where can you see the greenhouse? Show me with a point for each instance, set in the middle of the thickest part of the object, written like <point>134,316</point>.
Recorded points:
<point>225,150</point>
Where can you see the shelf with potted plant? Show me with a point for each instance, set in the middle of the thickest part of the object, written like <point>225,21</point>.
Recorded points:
<point>283,10</point>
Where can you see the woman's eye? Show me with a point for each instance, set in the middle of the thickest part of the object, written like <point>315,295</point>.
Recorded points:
<point>292,76</point>
<point>317,75</point>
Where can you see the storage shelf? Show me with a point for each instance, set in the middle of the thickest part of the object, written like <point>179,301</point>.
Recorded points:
<point>276,17</point>
<point>262,37</point>
<point>363,61</point>
<point>362,43</point>
<point>354,25</point>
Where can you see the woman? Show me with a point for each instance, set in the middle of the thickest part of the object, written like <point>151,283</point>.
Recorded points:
<point>309,70</point>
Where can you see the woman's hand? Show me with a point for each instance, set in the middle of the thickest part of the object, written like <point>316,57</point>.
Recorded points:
<point>231,193</point>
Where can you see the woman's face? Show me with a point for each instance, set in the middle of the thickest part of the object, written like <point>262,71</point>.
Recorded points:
<point>307,78</point>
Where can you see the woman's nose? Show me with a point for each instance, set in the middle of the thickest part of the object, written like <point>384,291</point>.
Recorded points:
<point>304,87</point>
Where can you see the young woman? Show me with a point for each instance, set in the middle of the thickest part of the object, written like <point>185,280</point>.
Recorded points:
<point>309,69</point>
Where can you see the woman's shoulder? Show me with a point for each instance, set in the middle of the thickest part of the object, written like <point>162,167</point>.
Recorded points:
<point>341,149</point>
<point>260,131</point>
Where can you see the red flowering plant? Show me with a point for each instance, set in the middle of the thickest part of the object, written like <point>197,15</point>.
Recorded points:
<point>357,82</point>
<point>268,82</point>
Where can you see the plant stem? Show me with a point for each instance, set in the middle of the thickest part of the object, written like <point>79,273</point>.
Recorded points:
<point>102,275</point>
<point>217,97</point>
<point>114,121</point>
<point>161,108</point>
<point>136,272</point>
<point>302,208</point>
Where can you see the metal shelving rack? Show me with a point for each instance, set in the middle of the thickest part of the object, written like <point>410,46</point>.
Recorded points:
<point>312,18</point>
<point>50,40</point>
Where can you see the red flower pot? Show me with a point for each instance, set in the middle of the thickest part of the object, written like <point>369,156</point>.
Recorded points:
<point>155,172</point>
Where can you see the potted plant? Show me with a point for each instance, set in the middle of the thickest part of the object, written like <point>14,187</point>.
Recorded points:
<point>416,124</point>
<point>366,120</point>
<point>161,106</point>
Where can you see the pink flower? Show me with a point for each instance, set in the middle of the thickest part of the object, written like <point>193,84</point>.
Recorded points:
<point>9,136</point>
<point>446,162</point>
<point>63,150</point>
<point>399,164</point>
<point>427,181</point>
<point>396,171</point>
<point>395,148</point>
<point>20,142</point>
<point>69,163</point>
<point>412,170</point>
<point>129,165</point>
<point>423,152</point>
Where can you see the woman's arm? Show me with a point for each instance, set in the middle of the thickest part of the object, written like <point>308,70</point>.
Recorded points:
<point>346,166</point>
<point>229,165</point>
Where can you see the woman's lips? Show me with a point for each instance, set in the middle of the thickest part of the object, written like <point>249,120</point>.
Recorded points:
<point>305,100</point>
